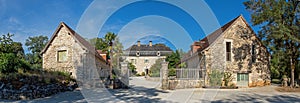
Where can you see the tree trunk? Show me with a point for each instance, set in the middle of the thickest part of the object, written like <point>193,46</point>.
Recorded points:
<point>292,72</point>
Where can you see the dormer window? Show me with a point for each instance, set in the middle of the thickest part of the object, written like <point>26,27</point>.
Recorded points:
<point>137,53</point>
<point>158,53</point>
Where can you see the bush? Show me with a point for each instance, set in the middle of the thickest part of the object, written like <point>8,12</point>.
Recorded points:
<point>155,68</point>
<point>227,78</point>
<point>172,72</point>
<point>143,74</point>
<point>8,63</point>
<point>215,78</point>
<point>137,74</point>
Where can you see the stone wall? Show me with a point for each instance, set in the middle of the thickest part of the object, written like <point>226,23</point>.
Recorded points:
<point>140,62</point>
<point>181,84</point>
<point>81,63</point>
<point>241,38</point>
<point>62,41</point>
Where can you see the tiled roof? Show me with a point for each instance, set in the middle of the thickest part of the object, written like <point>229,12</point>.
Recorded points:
<point>205,42</point>
<point>156,47</point>
<point>146,50</point>
<point>78,38</point>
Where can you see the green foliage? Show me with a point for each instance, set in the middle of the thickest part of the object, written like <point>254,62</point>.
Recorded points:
<point>8,63</point>
<point>155,68</point>
<point>173,59</point>
<point>35,45</point>
<point>280,26</point>
<point>143,74</point>
<point>110,43</point>
<point>105,42</point>
<point>172,72</point>
<point>175,62</point>
<point>132,68</point>
<point>11,55</point>
<point>215,78</point>
<point>227,78</point>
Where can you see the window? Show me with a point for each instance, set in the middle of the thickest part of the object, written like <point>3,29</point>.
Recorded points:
<point>133,61</point>
<point>137,53</point>
<point>158,53</point>
<point>228,51</point>
<point>62,56</point>
<point>146,61</point>
<point>253,52</point>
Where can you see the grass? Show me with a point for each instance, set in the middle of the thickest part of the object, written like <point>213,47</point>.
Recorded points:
<point>36,76</point>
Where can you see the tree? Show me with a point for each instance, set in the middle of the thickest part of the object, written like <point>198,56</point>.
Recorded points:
<point>155,68</point>
<point>173,59</point>
<point>280,26</point>
<point>132,68</point>
<point>36,45</point>
<point>110,42</point>
<point>11,55</point>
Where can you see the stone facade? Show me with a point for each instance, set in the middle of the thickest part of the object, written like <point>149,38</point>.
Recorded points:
<point>81,59</point>
<point>144,56</point>
<point>143,62</point>
<point>234,48</point>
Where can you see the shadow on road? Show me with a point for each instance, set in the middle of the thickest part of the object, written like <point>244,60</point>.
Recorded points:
<point>138,94</point>
<point>243,97</point>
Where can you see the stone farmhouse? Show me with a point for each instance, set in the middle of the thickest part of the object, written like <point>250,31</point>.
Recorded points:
<point>233,48</point>
<point>67,51</point>
<point>143,56</point>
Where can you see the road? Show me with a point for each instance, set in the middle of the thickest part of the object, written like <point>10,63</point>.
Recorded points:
<point>145,91</point>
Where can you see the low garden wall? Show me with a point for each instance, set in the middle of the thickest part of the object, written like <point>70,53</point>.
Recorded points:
<point>181,84</point>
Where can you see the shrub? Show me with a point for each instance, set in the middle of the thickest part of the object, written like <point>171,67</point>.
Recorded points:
<point>215,78</point>
<point>172,72</point>
<point>227,78</point>
<point>155,68</point>
<point>143,74</point>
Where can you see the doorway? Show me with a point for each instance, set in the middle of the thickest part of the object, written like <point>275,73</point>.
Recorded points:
<point>242,79</point>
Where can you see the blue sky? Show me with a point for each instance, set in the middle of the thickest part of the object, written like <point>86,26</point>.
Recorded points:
<point>163,21</point>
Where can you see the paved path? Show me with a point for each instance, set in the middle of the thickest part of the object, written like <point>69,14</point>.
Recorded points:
<point>148,91</point>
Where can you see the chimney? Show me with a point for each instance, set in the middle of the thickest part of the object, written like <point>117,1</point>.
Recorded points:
<point>150,43</point>
<point>139,43</point>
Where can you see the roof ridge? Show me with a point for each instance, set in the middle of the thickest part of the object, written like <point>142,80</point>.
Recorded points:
<point>212,37</point>
<point>76,36</point>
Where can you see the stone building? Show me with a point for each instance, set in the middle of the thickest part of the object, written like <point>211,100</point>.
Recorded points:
<point>234,48</point>
<point>67,51</point>
<point>143,56</point>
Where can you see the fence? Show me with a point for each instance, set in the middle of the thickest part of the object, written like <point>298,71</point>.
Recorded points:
<point>104,73</point>
<point>189,73</point>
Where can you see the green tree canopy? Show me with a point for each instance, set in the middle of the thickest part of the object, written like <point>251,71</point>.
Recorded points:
<point>280,29</point>
<point>35,45</point>
<point>11,55</point>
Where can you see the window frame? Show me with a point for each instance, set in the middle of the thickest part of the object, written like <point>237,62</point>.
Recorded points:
<point>253,53</point>
<point>58,56</point>
<point>228,51</point>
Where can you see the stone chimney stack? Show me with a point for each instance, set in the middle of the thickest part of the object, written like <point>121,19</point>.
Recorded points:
<point>139,43</point>
<point>150,43</point>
